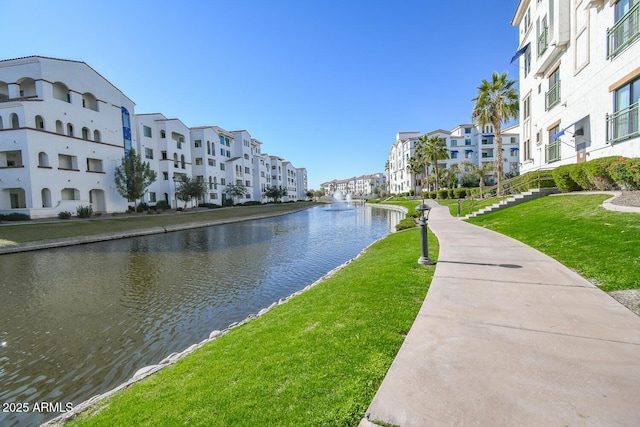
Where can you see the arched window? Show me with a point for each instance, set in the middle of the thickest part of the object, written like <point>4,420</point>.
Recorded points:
<point>59,127</point>
<point>46,198</point>
<point>69,129</point>
<point>61,92</point>
<point>70,194</point>
<point>15,123</point>
<point>43,159</point>
<point>85,133</point>
<point>208,147</point>
<point>27,87</point>
<point>182,161</point>
<point>1,126</point>
<point>175,160</point>
<point>89,101</point>
<point>39,122</point>
<point>96,135</point>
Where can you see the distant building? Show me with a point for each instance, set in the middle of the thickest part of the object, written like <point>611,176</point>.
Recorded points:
<point>579,80</point>
<point>361,186</point>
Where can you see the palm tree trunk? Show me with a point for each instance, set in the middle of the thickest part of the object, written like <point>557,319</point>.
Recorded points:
<point>498,154</point>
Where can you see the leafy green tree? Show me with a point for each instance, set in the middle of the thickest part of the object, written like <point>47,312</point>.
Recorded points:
<point>497,103</point>
<point>415,168</point>
<point>189,189</point>
<point>434,148</point>
<point>236,190</point>
<point>275,193</point>
<point>133,177</point>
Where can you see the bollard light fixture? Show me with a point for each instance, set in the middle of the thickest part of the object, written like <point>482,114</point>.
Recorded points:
<point>424,210</point>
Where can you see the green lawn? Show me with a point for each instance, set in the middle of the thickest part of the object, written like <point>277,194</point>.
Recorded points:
<point>317,360</point>
<point>577,231</point>
<point>37,230</point>
<point>467,206</point>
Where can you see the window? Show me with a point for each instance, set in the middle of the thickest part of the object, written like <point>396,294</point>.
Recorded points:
<point>221,166</point>
<point>623,123</point>
<point>94,165</point>
<point>211,162</point>
<point>197,143</point>
<point>146,131</point>
<point>148,153</point>
<point>526,154</point>
<point>163,155</point>
<point>163,134</point>
<point>152,197</point>
<point>223,181</point>
<point>454,142</point>
<point>165,176</point>
<point>246,157</point>
<point>228,153</point>
<point>527,62</point>
<point>43,160</point>
<point>467,154</point>
<point>526,107</point>
<point>467,142</point>
<point>222,151</point>
<point>85,133</point>
<point>454,154</point>
<point>39,122</point>
<point>626,29</point>
<point>96,136</point>
<point>246,170</point>
<point>199,161</point>
<point>552,97</point>
<point>553,148</point>
<point>467,130</point>
<point>67,162</point>
<point>69,129</point>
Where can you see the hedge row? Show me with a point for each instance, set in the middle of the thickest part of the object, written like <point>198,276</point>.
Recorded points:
<point>606,173</point>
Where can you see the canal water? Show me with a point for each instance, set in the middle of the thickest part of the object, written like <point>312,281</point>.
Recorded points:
<point>78,321</point>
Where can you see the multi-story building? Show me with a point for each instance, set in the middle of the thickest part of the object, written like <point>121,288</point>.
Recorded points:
<point>363,186</point>
<point>466,143</point>
<point>64,129</point>
<point>579,80</point>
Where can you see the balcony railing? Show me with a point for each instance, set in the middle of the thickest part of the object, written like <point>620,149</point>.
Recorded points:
<point>543,41</point>
<point>552,97</point>
<point>625,32</point>
<point>553,151</point>
<point>623,124</point>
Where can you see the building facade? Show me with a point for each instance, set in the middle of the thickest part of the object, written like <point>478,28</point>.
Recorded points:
<point>64,130</point>
<point>360,186</point>
<point>579,80</point>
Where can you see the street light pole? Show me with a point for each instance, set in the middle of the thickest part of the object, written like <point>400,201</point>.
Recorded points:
<point>424,237</point>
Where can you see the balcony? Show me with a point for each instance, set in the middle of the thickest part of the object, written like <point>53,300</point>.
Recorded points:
<point>623,124</point>
<point>625,32</point>
<point>553,151</point>
<point>552,97</point>
<point>543,41</point>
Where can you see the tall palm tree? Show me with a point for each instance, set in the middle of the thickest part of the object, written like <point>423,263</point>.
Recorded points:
<point>415,168</point>
<point>421,153</point>
<point>436,149</point>
<point>497,103</point>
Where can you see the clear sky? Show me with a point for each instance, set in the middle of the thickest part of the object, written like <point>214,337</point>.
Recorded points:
<point>326,84</point>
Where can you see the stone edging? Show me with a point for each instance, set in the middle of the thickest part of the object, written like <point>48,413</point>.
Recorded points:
<point>147,371</point>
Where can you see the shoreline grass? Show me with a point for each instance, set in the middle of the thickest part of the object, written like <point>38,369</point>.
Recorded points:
<point>56,229</point>
<point>317,360</point>
<point>601,245</point>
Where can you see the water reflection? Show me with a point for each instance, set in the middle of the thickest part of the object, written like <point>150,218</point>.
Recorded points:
<point>77,321</point>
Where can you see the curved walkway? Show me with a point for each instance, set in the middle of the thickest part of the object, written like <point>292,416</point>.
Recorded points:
<point>508,336</point>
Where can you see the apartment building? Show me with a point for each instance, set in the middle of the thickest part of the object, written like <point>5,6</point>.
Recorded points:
<point>64,129</point>
<point>465,143</point>
<point>364,185</point>
<point>579,80</point>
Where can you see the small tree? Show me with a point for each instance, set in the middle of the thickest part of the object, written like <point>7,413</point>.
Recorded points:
<point>133,177</point>
<point>236,190</point>
<point>275,193</point>
<point>189,189</point>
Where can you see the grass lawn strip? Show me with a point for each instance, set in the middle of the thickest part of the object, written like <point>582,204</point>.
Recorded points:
<point>601,245</point>
<point>317,360</point>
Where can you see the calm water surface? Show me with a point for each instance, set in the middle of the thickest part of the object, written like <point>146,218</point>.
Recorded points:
<point>78,321</point>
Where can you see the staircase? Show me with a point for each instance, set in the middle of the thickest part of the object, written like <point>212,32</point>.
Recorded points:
<point>514,200</point>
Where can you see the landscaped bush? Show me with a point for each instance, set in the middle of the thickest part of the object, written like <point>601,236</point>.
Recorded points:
<point>579,174</point>
<point>142,207</point>
<point>598,171</point>
<point>626,173</point>
<point>460,193</point>
<point>162,205</point>
<point>443,194</point>
<point>84,211</point>
<point>563,180</point>
<point>227,202</point>
<point>433,195</point>
<point>64,215</point>
<point>450,193</point>
<point>15,216</point>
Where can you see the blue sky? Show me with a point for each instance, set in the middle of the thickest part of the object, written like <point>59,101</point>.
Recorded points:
<point>324,84</point>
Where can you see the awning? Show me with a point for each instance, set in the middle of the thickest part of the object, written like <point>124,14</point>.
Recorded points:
<point>489,135</point>
<point>468,151</point>
<point>519,53</point>
<point>558,135</point>
<point>454,151</point>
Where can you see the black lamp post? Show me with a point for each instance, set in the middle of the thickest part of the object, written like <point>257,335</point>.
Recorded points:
<point>424,238</point>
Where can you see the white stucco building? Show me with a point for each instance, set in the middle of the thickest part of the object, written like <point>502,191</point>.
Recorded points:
<point>579,80</point>
<point>398,178</point>
<point>63,130</point>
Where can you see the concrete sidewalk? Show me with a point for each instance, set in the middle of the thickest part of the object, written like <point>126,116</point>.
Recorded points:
<point>509,337</point>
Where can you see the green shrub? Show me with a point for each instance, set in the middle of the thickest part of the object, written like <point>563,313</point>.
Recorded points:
<point>433,195</point>
<point>407,222</point>
<point>598,171</point>
<point>16,216</point>
<point>64,215</point>
<point>84,211</point>
<point>460,193</point>
<point>579,175</point>
<point>162,205</point>
<point>142,207</point>
<point>412,192</point>
<point>227,202</point>
<point>450,194</point>
<point>443,194</point>
<point>626,173</point>
<point>563,180</point>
